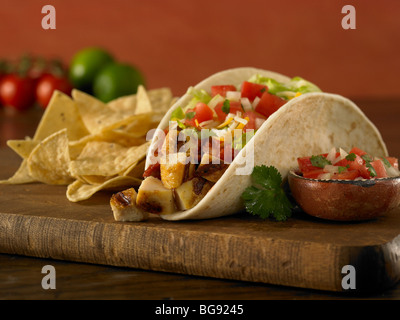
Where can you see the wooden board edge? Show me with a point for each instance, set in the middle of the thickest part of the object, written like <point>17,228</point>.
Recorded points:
<point>236,257</point>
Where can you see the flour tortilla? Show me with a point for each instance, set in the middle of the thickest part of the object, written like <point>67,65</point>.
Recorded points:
<point>312,123</point>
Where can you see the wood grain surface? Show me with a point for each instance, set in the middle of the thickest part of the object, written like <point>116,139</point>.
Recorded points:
<point>37,220</point>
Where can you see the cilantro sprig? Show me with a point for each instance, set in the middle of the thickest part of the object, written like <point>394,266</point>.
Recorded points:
<point>226,107</point>
<point>266,197</point>
<point>319,161</point>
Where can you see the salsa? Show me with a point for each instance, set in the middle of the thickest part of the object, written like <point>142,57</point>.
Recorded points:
<point>353,165</point>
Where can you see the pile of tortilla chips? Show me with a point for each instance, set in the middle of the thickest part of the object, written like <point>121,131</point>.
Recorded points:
<point>88,145</point>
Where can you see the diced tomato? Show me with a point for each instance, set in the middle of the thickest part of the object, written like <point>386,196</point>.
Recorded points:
<point>269,103</point>
<point>313,174</point>
<point>379,169</point>
<point>358,151</point>
<point>305,165</point>
<point>253,123</point>
<point>222,90</point>
<point>234,106</point>
<point>393,161</point>
<point>252,90</point>
<point>202,113</point>
<point>358,164</point>
<point>346,175</point>
<point>153,170</point>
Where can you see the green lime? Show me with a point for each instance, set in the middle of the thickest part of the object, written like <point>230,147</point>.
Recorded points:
<point>85,65</point>
<point>116,80</point>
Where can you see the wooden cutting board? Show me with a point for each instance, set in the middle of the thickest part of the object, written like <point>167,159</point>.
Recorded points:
<point>37,220</point>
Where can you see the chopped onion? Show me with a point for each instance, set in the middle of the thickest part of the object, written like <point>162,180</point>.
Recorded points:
<point>331,169</point>
<point>241,120</point>
<point>331,155</point>
<point>325,176</point>
<point>246,104</point>
<point>392,172</point>
<point>214,101</point>
<point>255,102</point>
<point>233,95</point>
<point>343,154</point>
<point>205,123</point>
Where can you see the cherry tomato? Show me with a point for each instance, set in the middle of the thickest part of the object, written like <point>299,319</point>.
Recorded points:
<point>46,86</point>
<point>17,92</point>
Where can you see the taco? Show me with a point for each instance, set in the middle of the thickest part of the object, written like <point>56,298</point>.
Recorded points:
<point>204,149</point>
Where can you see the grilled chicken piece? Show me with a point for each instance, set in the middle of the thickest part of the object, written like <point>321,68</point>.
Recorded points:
<point>123,205</point>
<point>173,171</point>
<point>209,170</point>
<point>191,192</point>
<point>153,197</point>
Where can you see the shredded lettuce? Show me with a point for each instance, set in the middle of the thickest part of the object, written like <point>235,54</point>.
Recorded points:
<point>199,95</point>
<point>177,114</point>
<point>285,90</point>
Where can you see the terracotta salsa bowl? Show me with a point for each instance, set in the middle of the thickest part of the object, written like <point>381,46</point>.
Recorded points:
<point>345,200</point>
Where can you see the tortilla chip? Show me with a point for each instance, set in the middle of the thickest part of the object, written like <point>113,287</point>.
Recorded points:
<point>48,162</point>
<point>23,147</point>
<point>79,191</point>
<point>21,176</point>
<point>96,115</point>
<point>61,112</point>
<point>105,159</point>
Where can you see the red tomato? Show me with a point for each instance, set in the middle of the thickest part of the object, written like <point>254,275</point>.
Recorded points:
<point>234,106</point>
<point>46,86</point>
<point>222,90</point>
<point>17,92</point>
<point>269,103</point>
<point>313,174</point>
<point>305,165</point>
<point>379,169</point>
<point>202,113</point>
<point>346,175</point>
<point>153,170</point>
<point>358,151</point>
<point>358,164</point>
<point>252,90</point>
<point>253,123</point>
<point>393,161</point>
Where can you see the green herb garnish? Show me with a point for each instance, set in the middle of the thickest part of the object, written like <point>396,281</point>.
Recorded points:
<point>226,107</point>
<point>368,164</point>
<point>319,161</point>
<point>266,197</point>
<point>190,115</point>
<point>342,169</point>
<point>371,169</point>
<point>386,162</point>
<point>351,156</point>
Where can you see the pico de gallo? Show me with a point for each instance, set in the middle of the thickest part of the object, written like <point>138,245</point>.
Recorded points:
<point>353,165</point>
<point>227,108</point>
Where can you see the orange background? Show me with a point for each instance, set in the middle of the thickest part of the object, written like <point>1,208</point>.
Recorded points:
<point>178,43</point>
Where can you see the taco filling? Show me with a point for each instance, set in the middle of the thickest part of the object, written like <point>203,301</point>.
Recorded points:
<point>204,137</point>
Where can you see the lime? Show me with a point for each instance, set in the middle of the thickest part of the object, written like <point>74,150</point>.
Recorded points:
<point>116,80</point>
<point>85,65</point>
